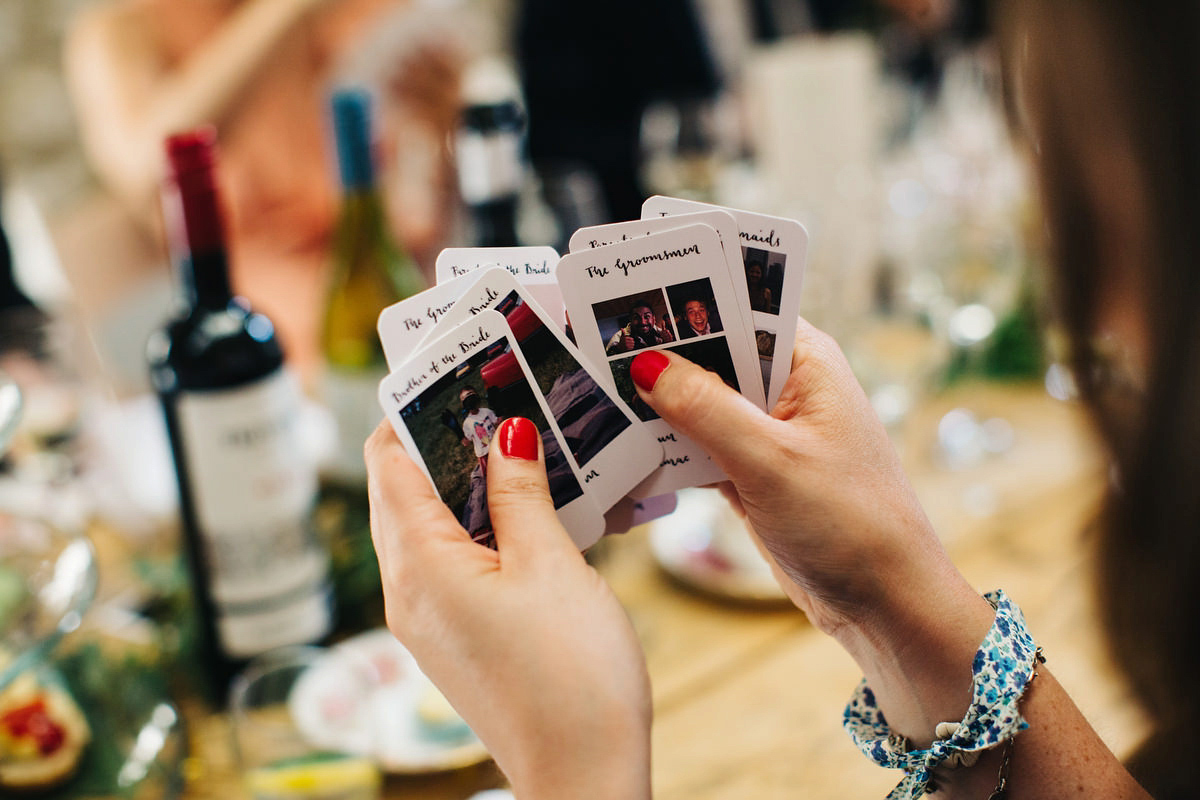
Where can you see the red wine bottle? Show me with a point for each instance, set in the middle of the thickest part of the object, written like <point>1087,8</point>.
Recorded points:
<point>246,489</point>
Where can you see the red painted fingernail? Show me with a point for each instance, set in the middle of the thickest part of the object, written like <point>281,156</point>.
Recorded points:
<point>646,367</point>
<point>518,438</point>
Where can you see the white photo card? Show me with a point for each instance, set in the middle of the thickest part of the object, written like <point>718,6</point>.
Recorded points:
<point>636,295</point>
<point>721,221</point>
<point>532,266</point>
<point>605,441</point>
<point>445,404</point>
<point>774,250</point>
<point>404,326</point>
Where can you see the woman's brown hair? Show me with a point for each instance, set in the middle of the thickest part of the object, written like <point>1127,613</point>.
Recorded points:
<point>1113,94</point>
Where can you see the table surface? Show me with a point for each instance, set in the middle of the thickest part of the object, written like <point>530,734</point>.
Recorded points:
<point>748,700</point>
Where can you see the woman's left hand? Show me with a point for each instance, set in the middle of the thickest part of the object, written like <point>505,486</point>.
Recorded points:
<point>527,642</point>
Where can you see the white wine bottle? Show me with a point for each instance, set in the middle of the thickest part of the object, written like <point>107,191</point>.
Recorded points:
<point>370,272</point>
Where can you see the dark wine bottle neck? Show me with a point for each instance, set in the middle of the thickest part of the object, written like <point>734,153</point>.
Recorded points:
<point>495,222</point>
<point>204,278</point>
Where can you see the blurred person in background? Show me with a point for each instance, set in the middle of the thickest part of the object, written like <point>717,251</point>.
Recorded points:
<point>589,71</point>
<point>261,71</point>
<point>1107,94</point>
<point>916,35</point>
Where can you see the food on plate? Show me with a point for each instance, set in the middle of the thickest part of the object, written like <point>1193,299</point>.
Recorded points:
<point>43,733</point>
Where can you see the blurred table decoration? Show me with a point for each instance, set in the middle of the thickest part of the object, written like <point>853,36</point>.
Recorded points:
<point>955,229</point>
<point>301,726</point>
<point>64,732</point>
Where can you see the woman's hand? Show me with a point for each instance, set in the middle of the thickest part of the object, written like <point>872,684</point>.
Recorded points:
<point>824,491</point>
<point>527,642</point>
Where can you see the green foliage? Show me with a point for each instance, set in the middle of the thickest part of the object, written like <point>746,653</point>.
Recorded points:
<point>343,521</point>
<point>118,695</point>
<point>1013,353</point>
<point>1016,351</point>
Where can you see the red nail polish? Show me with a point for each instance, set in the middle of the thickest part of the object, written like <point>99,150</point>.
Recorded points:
<point>518,438</point>
<point>646,367</point>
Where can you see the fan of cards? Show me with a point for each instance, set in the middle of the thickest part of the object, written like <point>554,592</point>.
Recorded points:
<point>519,331</point>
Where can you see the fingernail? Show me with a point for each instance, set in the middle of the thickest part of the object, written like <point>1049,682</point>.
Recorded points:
<point>518,438</point>
<point>646,367</point>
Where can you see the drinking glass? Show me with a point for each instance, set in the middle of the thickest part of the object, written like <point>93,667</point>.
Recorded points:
<point>41,356</point>
<point>302,726</point>
<point>955,195</point>
<point>10,409</point>
<point>47,581</point>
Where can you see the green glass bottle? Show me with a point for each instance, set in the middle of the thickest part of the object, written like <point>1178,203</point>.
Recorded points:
<point>370,272</point>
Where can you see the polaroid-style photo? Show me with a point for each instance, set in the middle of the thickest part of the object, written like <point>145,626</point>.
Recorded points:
<point>445,404</point>
<point>405,325</point>
<point>610,452</point>
<point>776,247</point>
<point>525,263</point>
<point>603,285</point>
<point>532,266</point>
<point>719,220</point>
<point>712,354</point>
<point>634,322</point>
<point>764,278</point>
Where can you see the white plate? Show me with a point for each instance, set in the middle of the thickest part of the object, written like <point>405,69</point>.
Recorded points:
<point>381,722</point>
<point>705,545</point>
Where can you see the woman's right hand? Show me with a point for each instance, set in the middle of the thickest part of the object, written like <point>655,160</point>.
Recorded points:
<point>824,492</point>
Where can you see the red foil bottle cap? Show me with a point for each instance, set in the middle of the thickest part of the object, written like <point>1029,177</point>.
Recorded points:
<point>192,151</point>
<point>192,158</point>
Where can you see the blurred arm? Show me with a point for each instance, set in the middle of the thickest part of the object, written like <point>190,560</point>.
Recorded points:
<point>128,100</point>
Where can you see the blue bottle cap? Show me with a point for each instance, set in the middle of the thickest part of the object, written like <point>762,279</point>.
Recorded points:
<point>352,130</point>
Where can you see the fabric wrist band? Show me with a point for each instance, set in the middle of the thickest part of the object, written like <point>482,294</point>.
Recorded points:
<point>1003,667</point>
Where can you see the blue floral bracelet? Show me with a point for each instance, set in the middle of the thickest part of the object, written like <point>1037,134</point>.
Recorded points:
<point>1004,665</point>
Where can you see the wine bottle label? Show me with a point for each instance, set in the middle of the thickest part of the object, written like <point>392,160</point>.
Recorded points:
<point>489,166</point>
<point>352,396</point>
<point>252,488</point>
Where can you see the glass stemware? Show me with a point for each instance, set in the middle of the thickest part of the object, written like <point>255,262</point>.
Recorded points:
<point>47,581</point>
<point>10,409</point>
<point>955,196</point>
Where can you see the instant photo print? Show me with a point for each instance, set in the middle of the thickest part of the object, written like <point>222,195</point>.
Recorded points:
<point>533,267</point>
<point>673,267</point>
<point>611,452</point>
<point>445,403</point>
<point>719,220</point>
<point>404,326</point>
<point>773,257</point>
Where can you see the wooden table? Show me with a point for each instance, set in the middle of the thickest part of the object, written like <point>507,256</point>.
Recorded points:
<point>748,700</point>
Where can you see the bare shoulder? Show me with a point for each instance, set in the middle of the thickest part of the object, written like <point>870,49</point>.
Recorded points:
<point>111,39</point>
<point>110,28</point>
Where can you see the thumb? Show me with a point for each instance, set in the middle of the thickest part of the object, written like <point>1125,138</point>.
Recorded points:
<point>697,403</point>
<point>519,500</point>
